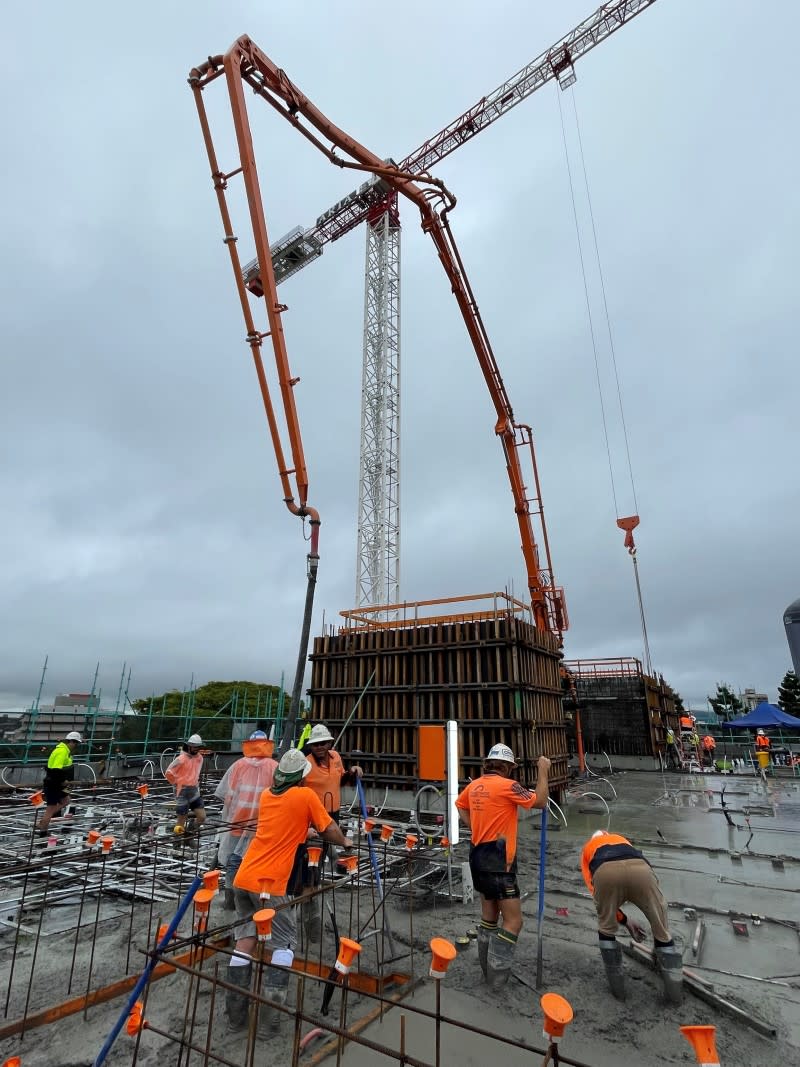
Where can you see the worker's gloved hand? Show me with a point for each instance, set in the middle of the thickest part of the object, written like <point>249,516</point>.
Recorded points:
<point>348,845</point>
<point>636,930</point>
<point>356,770</point>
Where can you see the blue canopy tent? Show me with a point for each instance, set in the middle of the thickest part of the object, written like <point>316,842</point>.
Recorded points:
<point>763,716</point>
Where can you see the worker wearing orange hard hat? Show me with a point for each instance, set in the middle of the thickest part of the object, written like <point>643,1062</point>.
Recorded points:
<point>616,872</point>
<point>489,806</point>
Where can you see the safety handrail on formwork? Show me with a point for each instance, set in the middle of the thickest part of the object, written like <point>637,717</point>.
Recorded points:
<point>623,666</point>
<point>407,613</point>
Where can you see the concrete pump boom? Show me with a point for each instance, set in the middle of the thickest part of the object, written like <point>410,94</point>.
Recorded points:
<point>243,63</point>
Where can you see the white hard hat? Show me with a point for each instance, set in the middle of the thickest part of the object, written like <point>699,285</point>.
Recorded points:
<point>195,739</point>
<point>761,732</point>
<point>598,833</point>
<point>319,733</point>
<point>294,763</point>
<point>73,735</point>
<point>501,752</point>
<point>257,735</point>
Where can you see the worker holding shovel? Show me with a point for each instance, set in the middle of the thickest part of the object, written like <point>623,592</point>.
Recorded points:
<point>616,872</point>
<point>489,806</point>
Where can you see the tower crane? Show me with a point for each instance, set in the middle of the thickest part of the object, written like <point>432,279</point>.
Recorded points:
<point>375,202</point>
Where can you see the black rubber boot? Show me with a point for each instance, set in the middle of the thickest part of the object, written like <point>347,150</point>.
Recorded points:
<point>277,990</point>
<point>237,1004</point>
<point>611,954</point>
<point>499,958</point>
<point>484,937</point>
<point>670,963</point>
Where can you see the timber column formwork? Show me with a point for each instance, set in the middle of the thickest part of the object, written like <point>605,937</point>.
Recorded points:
<point>490,669</point>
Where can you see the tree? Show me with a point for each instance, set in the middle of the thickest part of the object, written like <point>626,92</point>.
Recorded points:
<point>678,702</point>
<point>789,694</point>
<point>725,703</point>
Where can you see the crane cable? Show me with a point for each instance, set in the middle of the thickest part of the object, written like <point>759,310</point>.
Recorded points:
<point>627,524</point>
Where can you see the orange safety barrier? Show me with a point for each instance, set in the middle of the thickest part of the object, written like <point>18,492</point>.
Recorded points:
<point>443,953</point>
<point>557,1015</point>
<point>348,950</point>
<point>263,920</point>
<point>702,1040</point>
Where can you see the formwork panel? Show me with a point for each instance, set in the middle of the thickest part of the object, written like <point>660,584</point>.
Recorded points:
<point>498,677</point>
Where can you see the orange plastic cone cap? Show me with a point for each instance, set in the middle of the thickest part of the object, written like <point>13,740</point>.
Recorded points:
<point>14,1061</point>
<point>264,894</point>
<point>314,855</point>
<point>411,842</point>
<point>263,920</point>
<point>37,800</point>
<point>211,880</point>
<point>557,1015</point>
<point>135,1019</point>
<point>348,862</point>
<point>348,950</point>
<point>442,955</point>
<point>92,837</point>
<point>202,899</point>
<point>142,790</point>
<point>445,842</point>
<point>106,843</point>
<point>386,831</point>
<point>701,1038</point>
<point>369,826</point>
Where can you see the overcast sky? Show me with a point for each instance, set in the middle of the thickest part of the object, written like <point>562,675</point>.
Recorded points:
<point>142,518</point>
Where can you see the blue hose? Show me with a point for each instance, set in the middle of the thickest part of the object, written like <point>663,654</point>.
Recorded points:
<point>145,975</point>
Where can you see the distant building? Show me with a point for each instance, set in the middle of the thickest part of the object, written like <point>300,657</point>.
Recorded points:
<point>751,699</point>
<point>69,711</point>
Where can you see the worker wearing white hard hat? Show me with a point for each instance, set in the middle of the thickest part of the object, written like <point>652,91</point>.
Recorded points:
<point>60,771</point>
<point>489,806</point>
<point>326,776</point>
<point>184,774</point>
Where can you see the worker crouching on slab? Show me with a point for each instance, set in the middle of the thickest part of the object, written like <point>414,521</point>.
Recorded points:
<point>60,770</point>
<point>489,806</point>
<point>616,872</point>
<point>240,792</point>
<point>326,776</point>
<point>184,774</point>
<point>270,875</point>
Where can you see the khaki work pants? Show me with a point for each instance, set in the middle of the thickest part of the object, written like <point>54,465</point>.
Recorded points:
<point>619,881</point>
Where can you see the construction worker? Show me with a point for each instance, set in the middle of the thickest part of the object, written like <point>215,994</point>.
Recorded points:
<point>672,750</point>
<point>59,771</point>
<point>184,774</point>
<point>270,875</point>
<point>240,790</point>
<point>489,806</point>
<point>326,777</point>
<point>709,745</point>
<point>616,872</point>
<point>763,743</point>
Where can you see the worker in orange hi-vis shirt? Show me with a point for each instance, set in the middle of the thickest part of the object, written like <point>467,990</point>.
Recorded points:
<point>271,876</point>
<point>489,806</point>
<point>616,872</point>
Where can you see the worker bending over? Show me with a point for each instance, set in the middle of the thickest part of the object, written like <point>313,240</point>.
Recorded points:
<point>270,876</point>
<point>59,771</point>
<point>326,777</point>
<point>184,774</point>
<point>489,806</point>
<point>616,872</point>
<point>240,791</point>
<point>709,747</point>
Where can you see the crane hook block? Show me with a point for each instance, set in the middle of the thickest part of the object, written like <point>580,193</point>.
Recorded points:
<point>629,524</point>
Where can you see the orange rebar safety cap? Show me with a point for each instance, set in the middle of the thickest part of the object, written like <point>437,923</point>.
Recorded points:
<point>557,1015</point>
<point>92,837</point>
<point>349,863</point>
<point>37,799</point>
<point>386,831</point>
<point>411,841</point>
<point>14,1061</point>
<point>443,953</point>
<point>348,950</point>
<point>202,900</point>
<point>106,844</point>
<point>702,1040</point>
<point>211,880</point>
<point>142,790</point>
<point>263,920</point>
<point>135,1019</point>
<point>314,855</point>
<point>369,826</point>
